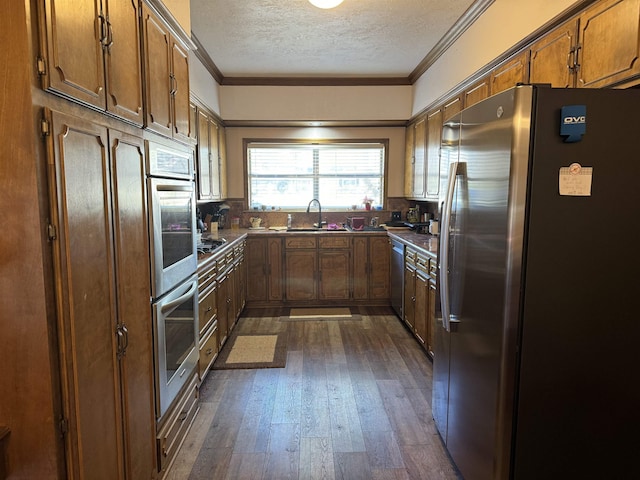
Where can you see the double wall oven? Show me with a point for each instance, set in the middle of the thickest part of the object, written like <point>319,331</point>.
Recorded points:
<point>172,205</point>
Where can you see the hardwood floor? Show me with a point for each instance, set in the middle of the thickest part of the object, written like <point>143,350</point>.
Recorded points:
<point>353,402</point>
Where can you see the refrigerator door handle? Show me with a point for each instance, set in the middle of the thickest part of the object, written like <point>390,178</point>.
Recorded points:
<point>454,170</point>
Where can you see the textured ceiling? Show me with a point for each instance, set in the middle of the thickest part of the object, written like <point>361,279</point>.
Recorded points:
<point>292,38</point>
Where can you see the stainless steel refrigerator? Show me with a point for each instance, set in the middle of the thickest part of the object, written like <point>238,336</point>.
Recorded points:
<point>537,341</point>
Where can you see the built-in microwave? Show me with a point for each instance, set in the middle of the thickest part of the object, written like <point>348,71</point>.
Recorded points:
<point>172,212</point>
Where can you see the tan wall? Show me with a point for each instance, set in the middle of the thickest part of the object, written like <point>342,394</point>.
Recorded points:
<point>235,158</point>
<point>315,103</point>
<point>502,25</point>
<point>181,10</point>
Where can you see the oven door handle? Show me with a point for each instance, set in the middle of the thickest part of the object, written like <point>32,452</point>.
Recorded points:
<point>174,303</point>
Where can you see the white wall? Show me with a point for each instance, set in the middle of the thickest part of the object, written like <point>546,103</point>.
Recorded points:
<point>202,84</point>
<point>502,25</point>
<point>235,136</point>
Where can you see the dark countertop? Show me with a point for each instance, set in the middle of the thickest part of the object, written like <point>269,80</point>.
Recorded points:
<point>425,242</point>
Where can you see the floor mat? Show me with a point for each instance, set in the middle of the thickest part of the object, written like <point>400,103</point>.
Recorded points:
<point>252,351</point>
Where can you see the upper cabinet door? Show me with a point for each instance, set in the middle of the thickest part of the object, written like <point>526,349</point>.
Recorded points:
<point>419,158</point>
<point>551,57</point>
<point>180,91</point>
<point>477,92</point>
<point>123,61</point>
<point>610,43</point>
<point>158,82</point>
<point>434,137</point>
<point>510,73</point>
<point>409,158</point>
<point>74,33</point>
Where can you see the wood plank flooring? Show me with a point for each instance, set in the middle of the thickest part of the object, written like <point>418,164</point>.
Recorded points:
<point>353,402</point>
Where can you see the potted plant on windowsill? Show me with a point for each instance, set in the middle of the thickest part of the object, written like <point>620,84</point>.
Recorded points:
<point>367,202</point>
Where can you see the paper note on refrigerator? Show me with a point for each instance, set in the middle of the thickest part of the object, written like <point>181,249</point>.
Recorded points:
<point>575,180</point>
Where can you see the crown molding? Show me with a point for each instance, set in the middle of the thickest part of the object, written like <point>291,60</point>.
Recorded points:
<point>458,28</point>
<point>315,123</point>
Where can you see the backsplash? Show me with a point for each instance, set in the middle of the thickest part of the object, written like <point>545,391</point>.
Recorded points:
<point>278,218</point>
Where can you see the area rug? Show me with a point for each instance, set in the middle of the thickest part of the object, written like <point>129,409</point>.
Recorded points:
<point>252,351</point>
<point>321,313</point>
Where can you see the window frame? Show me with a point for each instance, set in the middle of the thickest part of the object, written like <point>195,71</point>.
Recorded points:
<point>326,141</point>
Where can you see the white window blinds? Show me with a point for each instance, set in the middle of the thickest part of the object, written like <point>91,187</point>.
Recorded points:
<point>340,175</point>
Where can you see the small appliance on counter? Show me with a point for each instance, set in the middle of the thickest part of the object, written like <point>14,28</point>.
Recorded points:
<point>356,223</point>
<point>396,220</point>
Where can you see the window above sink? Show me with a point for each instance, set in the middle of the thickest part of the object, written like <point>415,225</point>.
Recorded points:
<point>342,175</point>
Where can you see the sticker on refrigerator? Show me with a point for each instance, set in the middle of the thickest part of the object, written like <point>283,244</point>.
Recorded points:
<point>575,180</point>
<point>573,122</point>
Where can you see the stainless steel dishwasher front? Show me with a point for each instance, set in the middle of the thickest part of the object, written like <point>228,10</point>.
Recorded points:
<point>397,276</point>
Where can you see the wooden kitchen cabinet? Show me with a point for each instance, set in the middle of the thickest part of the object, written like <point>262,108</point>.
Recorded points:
<point>409,302</point>
<point>510,73</point>
<point>421,305</point>
<point>419,296</point>
<point>264,269</point>
<point>240,280</point>
<point>334,267</point>
<point>609,50</point>
<point>431,317</point>
<point>419,158</point>
<point>371,267</point>
<point>317,269</point>
<point>90,51</point>
<point>451,107</point>
<point>166,61</point>
<point>409,145</point>
<point>598,48</point>
<point>98,214</point>
<point>434,140</point>
<point>209,158</point>
<point>551,56</point>
<point>207,317</point>
<point>300,267</point>
<point>477,92</point>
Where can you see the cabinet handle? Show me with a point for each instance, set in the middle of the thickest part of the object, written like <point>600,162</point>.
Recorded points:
<point>126,339</point>
<point>172,79</point>
<point>182,416</point>
<point>109,34</point>
<point>209,351</point>
<point>103,30</point>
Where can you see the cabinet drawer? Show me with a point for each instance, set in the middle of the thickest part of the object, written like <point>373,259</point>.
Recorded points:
<point>335,242</point>
<point>422,263</point>
<point>205,279</point>
<point>208,350</point>
<point>175,427</point>
<point>433,268</point>
<point>207,306</point>
<point>410,256</point>
<point>300,242</point>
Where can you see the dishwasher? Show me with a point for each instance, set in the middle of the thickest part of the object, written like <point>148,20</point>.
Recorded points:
<point>397,276</point>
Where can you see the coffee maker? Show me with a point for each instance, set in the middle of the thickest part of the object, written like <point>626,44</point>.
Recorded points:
<point>220,214</point>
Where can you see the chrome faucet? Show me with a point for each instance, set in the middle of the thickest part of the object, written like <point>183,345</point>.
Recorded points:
<point>319,224</point>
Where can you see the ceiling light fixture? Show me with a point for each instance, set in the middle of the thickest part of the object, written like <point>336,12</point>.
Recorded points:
<point>326,3</point>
